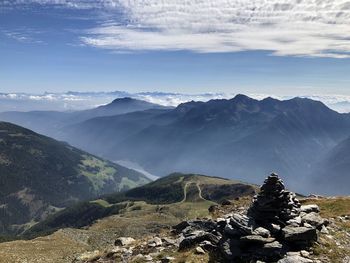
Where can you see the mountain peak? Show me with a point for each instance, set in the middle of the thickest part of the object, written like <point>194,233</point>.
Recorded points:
<point>124,100</point>
<point>241,98</point>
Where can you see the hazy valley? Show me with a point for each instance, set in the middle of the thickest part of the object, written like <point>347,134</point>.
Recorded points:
<point>241,138</point>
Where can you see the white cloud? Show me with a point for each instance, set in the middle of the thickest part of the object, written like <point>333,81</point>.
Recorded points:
<point>312,28</point>
<point>319,28</point>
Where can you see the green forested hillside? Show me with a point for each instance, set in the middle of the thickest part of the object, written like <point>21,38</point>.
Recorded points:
<point>39,175</point>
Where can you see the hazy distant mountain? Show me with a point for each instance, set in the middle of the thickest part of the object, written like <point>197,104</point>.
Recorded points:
<point>237,138</point>
<point>331,174</point>
<point>49,122</point>
<point>39,175</point>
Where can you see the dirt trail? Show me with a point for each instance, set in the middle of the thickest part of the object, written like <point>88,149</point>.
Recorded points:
<point>199,191</point>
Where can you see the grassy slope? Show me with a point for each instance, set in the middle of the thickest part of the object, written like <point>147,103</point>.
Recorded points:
<point>177,194</point>
<point>39,174</point>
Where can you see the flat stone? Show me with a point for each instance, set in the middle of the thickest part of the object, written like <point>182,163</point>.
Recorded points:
<point>309,208</point>
<point>261,232</point>
<point>257,239</point>
<point>299,234</point>
<point>196,238</point>
<point>294,259</point>
<point>169,241</point>
<point>295,221</point>
<point>273,245</point>
<point>305,253</point>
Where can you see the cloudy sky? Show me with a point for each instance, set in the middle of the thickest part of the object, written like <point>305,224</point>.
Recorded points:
<point>285,47</point>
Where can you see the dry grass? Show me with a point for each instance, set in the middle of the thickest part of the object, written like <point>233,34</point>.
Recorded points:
<point>334,247</point>
<point>331,207</point>
<point>56,248</point>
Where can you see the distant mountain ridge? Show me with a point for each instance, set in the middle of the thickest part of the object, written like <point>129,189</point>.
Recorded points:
<point>39,175</point>
<point>49,122</point>
<point>237,138</point>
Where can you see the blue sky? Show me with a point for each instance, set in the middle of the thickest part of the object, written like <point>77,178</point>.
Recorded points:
<point>280,47</point>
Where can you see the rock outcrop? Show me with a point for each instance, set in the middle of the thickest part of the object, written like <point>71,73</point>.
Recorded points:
<point>275,228</point>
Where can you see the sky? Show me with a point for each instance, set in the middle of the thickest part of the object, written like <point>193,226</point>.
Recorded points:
<point>284,47</point>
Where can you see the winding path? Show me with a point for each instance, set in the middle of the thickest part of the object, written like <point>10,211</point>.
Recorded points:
<point>199,191</point>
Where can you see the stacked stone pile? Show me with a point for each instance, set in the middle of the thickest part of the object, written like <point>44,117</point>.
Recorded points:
<point>274,204</point>
<point>274,228</point>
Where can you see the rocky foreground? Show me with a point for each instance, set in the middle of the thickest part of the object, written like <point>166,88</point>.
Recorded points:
<point>274,228</point>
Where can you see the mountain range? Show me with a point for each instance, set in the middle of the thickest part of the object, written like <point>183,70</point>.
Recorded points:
<point>48,122</point>
<point>39,176</point>
<point>239,138</point>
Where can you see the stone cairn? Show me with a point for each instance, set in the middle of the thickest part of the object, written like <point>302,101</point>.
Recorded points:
<point>276,228</point>
<point>274,204</point>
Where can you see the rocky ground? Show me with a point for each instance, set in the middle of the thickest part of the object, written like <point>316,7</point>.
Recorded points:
<point>276,227</point>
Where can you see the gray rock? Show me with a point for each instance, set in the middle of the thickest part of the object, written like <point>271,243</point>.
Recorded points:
<point>273,245</point>
<point>295,221</point>
<point>295,259</point>
<point>299,233</point>
<point>241,223</point>
<point>232,232</point>
<point>124,241</point>
<point>207,245</point>
<point>254,239</point>
<point>324,230</point>
<point>155,242</point>
<point>199,251</point>
<point>169,241</point>
<point>305,254</point>
<point>261,232</point>
<point>313,219</point>
<point>230,249</point>
<point>309,208</point>
<point>147,258</point>
<point>196,238</point>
